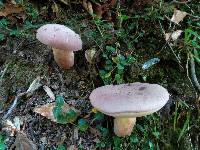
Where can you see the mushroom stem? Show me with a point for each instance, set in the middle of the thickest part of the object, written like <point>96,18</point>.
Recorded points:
<point>64,58</point>
<point>123,126</point>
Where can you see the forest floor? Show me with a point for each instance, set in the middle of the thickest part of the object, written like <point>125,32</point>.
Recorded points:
<point>128,34</point>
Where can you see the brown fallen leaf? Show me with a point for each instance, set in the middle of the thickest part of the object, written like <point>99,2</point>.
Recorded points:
<point>34,86</point>
<point>23,143</point>
<point>55,9</point>
<point>97,10</point>
<point>47,110</point>
<point>178,16</point>
<point>173,35</point>
<point>89,55</point>
<point>88,6</point>
<point>10,9</point>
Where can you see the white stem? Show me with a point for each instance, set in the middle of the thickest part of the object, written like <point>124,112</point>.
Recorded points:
<point>64,58</point>
<point>123,126</point>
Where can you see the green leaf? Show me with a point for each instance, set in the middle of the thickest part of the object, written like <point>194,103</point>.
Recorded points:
<point>2,37</point>
<point>15,32</point>
<point>108,65</point>
<point>59,101</point>
<point>184,126</point>
<point>110,49</point>
<point>3,23</point>
<point>120,67</point>
<point>104,131</point>
<point>82,125</point>
<point>98,116</point>
<point>118,79</point>
<point>2,144</point>
<point>56,112</point>
<point>70,116</point>
<point>61,147</point>
<point>156,134</point>
<point>130,59</point>
<point>117,141</point>
<point>134,139</point>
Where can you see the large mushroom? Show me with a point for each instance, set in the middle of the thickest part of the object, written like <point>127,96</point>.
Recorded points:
<point>63,42</point>
<point>125,102</point>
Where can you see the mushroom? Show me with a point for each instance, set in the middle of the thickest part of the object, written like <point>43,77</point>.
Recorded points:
<point>63,42</point>
<point>125,102</point>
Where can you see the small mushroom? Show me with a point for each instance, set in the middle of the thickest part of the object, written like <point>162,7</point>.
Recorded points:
<point>63,42</point>
<point>125,102</point>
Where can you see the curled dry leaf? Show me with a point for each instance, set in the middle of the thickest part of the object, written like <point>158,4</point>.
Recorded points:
<point>173,35</point>
<point>89,55</point>
<point>23,143</point>
<point>49,92</point>
<point>34,85</point>
<point>47,110</point>
<point>178,16</point>
<point>88,6</point>
<point>18,122</point>
<point>10,9</point>
<point>55,8</point>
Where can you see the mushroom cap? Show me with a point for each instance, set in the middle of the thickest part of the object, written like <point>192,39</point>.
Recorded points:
<point>129,100</point>
<point>59,36</point>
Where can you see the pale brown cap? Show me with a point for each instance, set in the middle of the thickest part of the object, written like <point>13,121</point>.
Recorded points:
<point>129,100</point>
<point>59,37</point>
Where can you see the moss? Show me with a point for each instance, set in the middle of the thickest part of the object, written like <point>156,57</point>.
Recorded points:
<point>19,75</point>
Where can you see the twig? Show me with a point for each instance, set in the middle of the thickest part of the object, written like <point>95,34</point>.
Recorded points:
<point>3,72</point>
<point>197,17</point>
<point>174,1</point>
<point>167,43</point>
<point>14,104</point>
<point>33,86</point>
<point>187,70</point>
<point>179,62</point>
<point>193,73</point>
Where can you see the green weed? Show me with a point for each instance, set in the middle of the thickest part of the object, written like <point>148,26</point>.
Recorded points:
<point>21,29</point>
<point>2,142</point>
<point>61,116</point>
<point>114,66</point>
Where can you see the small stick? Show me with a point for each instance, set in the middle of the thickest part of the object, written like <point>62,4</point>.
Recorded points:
<point>14,104</point>
<point>193,73</point>
<point>33,86</point>
<point>3,72</point>
<point>174,1</point>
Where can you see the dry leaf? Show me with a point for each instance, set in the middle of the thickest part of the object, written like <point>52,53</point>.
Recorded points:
<point>49,92</point>
<point>90,10</point>
<point>89,55</point>
<point>23,143</point>
<point>88,6</point>
<point>178,16</point>
<point>98,10</point>
<point>18,121</point>
<point>34,85</point>
<point>55,8</point>
<point>47,110</point>
<point>9,126</point>
<point>10,9</point>
<point>174,35</point>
